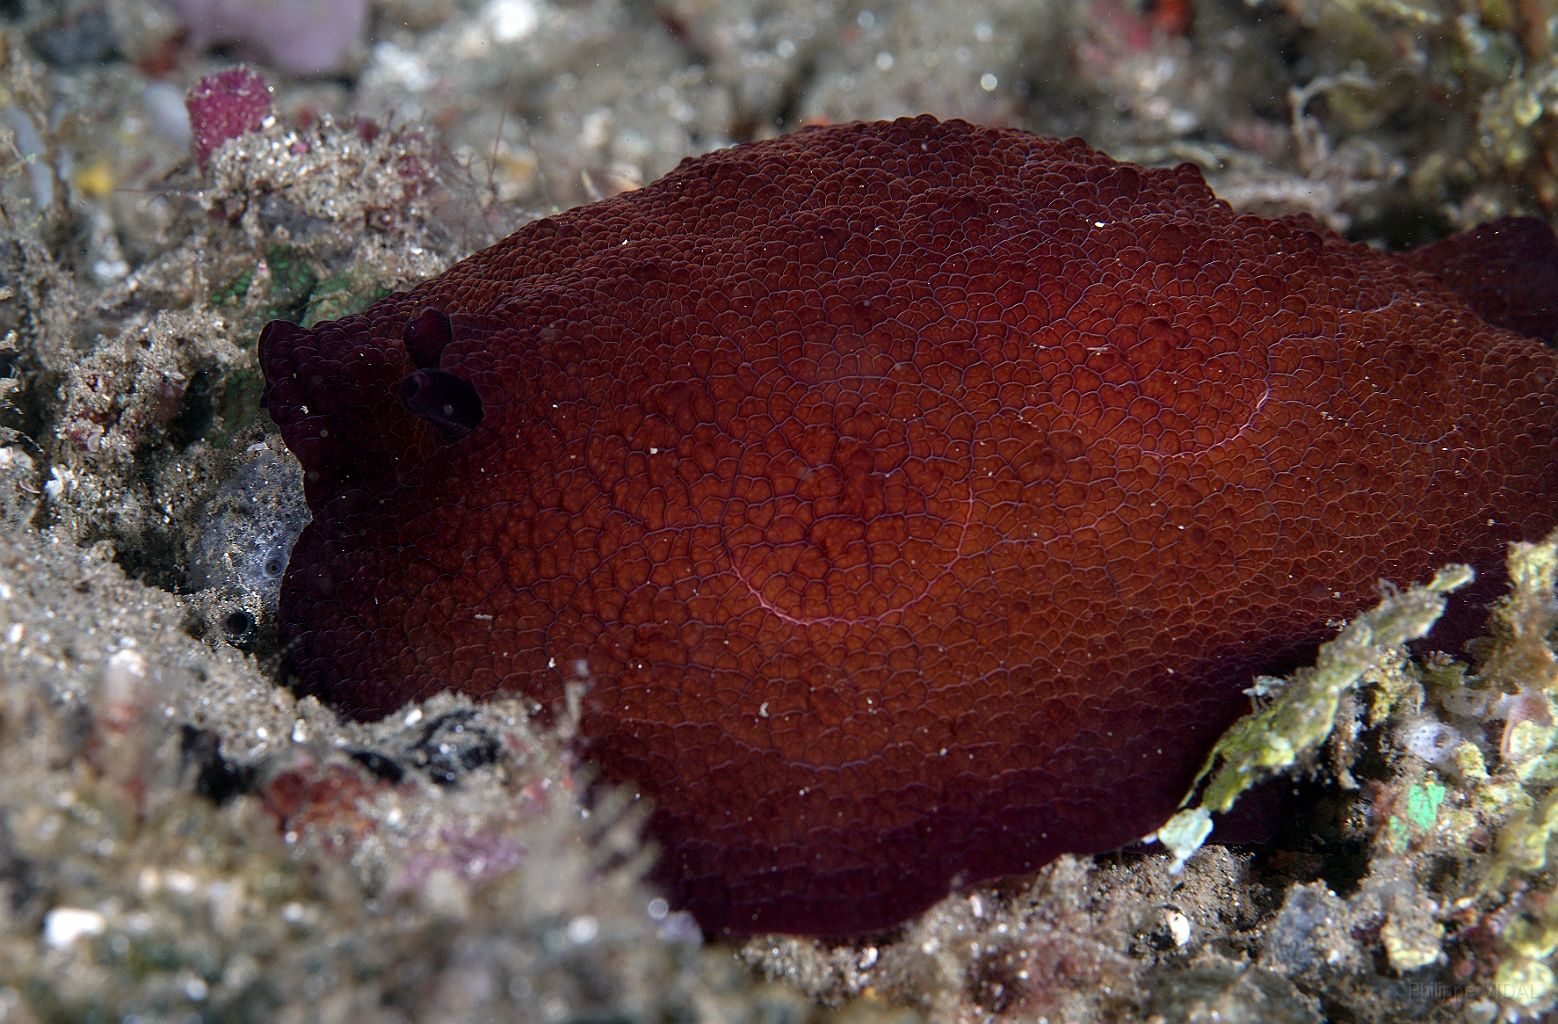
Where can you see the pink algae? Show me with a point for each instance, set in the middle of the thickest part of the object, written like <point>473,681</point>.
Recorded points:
<point>225,105</point>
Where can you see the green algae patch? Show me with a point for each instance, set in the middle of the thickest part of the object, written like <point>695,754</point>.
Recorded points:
<point>292,282</point>
<point>1302,710</point>
<point>278,286</point>
<point>342,295</point>
<point>234,291</point>
<point>1423,804</point>
<point>1419,815</point>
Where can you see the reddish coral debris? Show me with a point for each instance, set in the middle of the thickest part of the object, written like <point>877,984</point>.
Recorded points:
<point>919,497</point>
<point>325,799</point>
<point>224,105</point>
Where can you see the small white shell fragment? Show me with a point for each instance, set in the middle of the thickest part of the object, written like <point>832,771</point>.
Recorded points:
<point>64,925</point>
<point>1178,927</point>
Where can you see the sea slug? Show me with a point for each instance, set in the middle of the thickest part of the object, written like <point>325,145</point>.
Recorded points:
<point>916,498</point>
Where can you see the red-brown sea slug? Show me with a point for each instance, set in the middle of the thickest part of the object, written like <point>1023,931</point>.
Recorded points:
<point>917,497</point>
